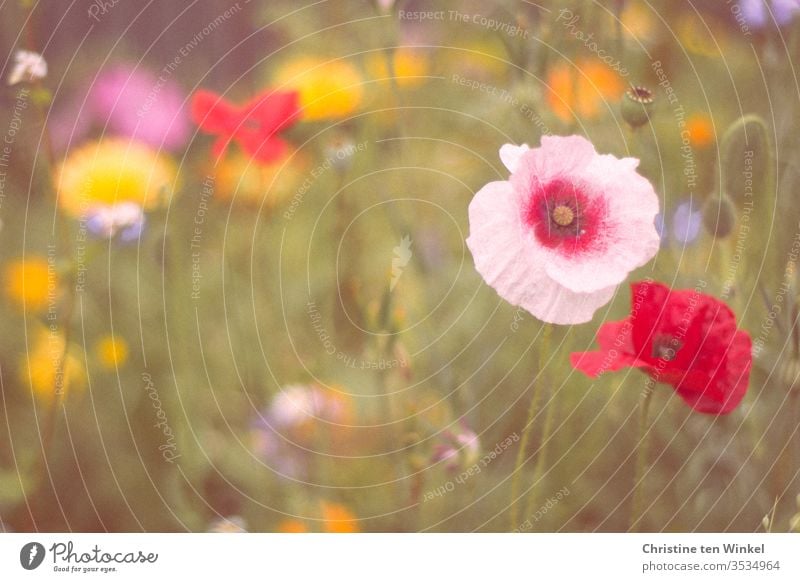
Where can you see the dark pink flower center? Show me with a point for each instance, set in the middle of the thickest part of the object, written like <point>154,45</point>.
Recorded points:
<point>563,217</point>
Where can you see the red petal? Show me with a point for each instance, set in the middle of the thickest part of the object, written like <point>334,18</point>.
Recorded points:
<point>711,367</point>
<point>214,114</point>
<point>274,111</point>
<point>615,351</point>
<point>219,147</point>
<point>648,303</point>
<point>723,387</point>
<point>264,150</point>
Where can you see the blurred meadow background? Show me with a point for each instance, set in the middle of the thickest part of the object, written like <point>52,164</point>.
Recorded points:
<point>302,343</point>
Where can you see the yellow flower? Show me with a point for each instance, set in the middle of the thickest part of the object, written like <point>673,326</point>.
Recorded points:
<point>694,35</point>
<point>594,84</point>
<point>114,170</point>
<point>238,177</point>
<point>41,367</point>
<point>338,519</point>
<point>112,352</point>
<point>31,283</point>
<point>410,66</point>
<point>638,22</point>
<point>328,89</point>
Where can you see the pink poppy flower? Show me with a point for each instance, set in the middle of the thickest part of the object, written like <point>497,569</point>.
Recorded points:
<point>565,230</point>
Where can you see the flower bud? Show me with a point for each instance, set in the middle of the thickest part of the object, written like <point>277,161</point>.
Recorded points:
<point>637,105</point>
<point>790,373</point>
<point>746,158</point>
<point>719,216</point>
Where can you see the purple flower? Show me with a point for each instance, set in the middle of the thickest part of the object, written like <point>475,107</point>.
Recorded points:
<point>686,222</point>
<point>760,13</point>
<point>457,448</point>
<point>125,219</point>
<point>280,454</point>
<point>286,428</point>
<point>661,228</point>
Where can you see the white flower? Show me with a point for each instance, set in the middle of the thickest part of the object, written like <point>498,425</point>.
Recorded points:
<point>28,66</point>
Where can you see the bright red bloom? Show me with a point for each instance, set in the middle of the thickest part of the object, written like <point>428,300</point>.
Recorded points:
<point>254,125</point>
<point>683,338</point>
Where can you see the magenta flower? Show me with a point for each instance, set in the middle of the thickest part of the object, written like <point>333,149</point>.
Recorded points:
<point>125,101</point>
<point>565,230</point>
<point>138,104</point>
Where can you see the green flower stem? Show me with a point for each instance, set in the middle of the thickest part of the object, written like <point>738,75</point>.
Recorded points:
<point>541,457</point>
<point>526,432</point>
<point>641,456</point>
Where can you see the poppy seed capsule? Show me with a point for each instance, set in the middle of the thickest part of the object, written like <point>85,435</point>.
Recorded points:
<point>719,216</point>
<point>637,105</point>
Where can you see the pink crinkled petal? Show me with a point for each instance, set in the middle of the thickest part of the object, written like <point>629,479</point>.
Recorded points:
<point>558,156</point>
<point>510,155</point>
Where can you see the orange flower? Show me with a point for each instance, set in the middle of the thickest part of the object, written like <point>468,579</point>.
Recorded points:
<point>338,519</point>
<point>112,352</point>
<point>410,66</point>
<point>30,283</point>
<point>41,368</point>
<point>237,176</point>
<point>595,83</point>
<point>292,526</point>
<point>701,130</point>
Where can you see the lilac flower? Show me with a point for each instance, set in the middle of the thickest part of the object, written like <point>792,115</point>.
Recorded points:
<point>289,425</point>
<point>125,219</point>
<point>457,449</point>
<point>686,222</point>
<point>282,456</point>
<point>661,228</point>
<point>760,13</point>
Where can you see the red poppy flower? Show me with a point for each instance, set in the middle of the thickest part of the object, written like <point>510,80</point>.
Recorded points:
<point>254,125</point>
<point>683,338</point>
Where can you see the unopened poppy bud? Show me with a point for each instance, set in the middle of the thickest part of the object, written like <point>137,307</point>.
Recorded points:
<point>791,373</point>
<point>719,216</point>
<point>747,166</point>
<point>637,105</point>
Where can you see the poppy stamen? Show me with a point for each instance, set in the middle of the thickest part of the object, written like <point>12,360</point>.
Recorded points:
<point>563,215</point>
